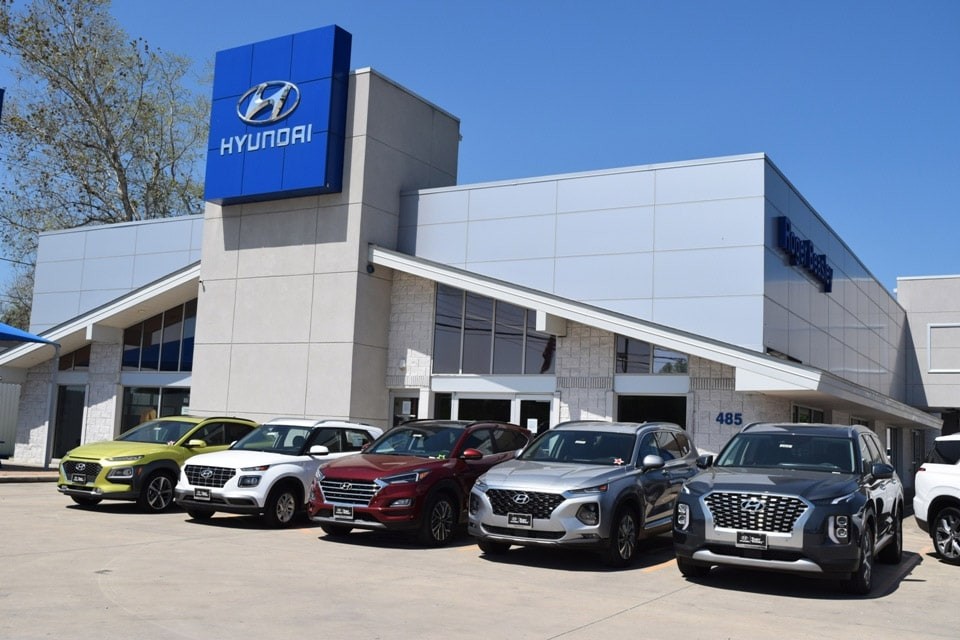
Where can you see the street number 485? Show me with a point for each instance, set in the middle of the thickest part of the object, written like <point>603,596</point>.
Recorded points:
<point>729,418</point>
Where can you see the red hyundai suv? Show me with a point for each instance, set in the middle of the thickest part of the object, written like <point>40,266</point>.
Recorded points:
<point>415,477</point>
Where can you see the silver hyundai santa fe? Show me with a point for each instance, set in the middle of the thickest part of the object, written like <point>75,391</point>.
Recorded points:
<point>585,484</point>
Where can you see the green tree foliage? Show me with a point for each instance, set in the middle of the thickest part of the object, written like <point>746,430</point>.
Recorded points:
<point>100,128</point>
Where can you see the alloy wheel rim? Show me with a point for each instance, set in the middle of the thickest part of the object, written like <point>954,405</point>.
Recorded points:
<point>948,536</point>
<point>627,537</point>
<point>285,508</point>
<point>159,493</point>
<point>441,521</point>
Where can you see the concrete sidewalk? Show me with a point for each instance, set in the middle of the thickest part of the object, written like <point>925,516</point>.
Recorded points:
<point>12,472</point>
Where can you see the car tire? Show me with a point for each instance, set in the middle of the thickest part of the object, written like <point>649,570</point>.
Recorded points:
<point>946,534</point>
<point>893,552</point>
<point>491,548</point>
<point>336,530</point>
<point>439,519</point>
<point>84,501</point>
<point>622,547</point>
<point>691,569</point>
<point>200,514</point>
<point>861,581</point>
<point>156,495</point>
<point>281,507</point>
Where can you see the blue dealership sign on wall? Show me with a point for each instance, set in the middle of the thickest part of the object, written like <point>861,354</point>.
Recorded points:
<point>278,118</point>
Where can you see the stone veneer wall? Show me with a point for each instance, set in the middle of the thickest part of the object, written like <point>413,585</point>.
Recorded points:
<point>585,366</point>
<point>104,394</point>
<point>410,343</point>
<point>34,414</point>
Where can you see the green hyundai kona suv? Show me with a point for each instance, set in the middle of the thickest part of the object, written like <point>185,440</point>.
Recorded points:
<point>143,464</point>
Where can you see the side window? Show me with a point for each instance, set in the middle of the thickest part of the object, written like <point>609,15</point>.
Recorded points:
<point>648,447</point>
<point>506,440</point>
<point>866,455</point>
<point>875,450</point>
<point>329,438</point>
<point>356,440</point>
<point>482,440</point>
<point>669,448</point>
<point>684,443</point>
<point>235,431</point>
<point>213,434</point>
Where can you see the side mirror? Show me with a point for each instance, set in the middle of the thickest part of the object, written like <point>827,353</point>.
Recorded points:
<point>471,454</point>
<point>196,444</point>
<point>319,450</point>
<point>705,462</point>
<point>882,471</point>
<point>651,462</point>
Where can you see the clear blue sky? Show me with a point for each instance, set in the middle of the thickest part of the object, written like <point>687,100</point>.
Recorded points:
<point>857,102</point>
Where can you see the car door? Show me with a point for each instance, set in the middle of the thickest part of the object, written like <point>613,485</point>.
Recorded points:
<point>654,483</point>
<point>887,490</point>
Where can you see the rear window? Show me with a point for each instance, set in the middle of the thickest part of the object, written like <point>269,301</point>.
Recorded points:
<point>945,452</point>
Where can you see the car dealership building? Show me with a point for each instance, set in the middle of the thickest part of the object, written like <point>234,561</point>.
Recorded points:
<point>340,271</point>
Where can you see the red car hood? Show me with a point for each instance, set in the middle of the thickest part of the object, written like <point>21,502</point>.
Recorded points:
<point>370,466</point>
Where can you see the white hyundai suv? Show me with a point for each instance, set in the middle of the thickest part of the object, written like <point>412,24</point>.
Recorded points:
<point>936,503</point>
<point>268,472</point>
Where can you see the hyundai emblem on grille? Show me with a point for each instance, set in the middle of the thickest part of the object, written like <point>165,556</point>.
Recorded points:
<point>346,486</point>
<point>521,498</point>
<point>81,466</point>
<point>206,473</point>
<point>752,505</point>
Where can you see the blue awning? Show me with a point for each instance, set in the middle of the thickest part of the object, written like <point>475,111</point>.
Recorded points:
<point>12,334</point>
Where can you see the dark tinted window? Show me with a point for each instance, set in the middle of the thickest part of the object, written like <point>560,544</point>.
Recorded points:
<point>509,440</point>
<point>684,443</point>
<point>356,440</point>
<point>508,339</point>
<point>213,433</point>
<point>477,332</point>
<point>447,330</point>
<point>481,440</point>
<point>945,452</point>
<point>669,447</point>
<point>236,431</point>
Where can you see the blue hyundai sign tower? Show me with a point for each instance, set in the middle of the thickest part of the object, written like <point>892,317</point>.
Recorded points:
<point>278,118</point>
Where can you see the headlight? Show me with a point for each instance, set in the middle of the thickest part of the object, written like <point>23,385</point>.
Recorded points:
<point>124,459</point>
<point>589,490</point>
<point>248,481</point>
<point>262,467</point>
<point>319,475</point>
<point>839,530</point>
<point>120,473</point>
<point>682,516</point>
<point>846,498</point>
<point>403,478</point>
<point>480,485</point>
<point>589,514</point>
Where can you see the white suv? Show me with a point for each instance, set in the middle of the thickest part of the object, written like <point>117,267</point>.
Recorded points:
<point>268,472</point>
<point>936,504</point>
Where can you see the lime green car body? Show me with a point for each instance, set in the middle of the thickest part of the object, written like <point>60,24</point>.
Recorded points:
<point>143,464</point>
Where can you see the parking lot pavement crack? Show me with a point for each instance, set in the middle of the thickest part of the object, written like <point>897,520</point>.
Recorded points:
<point>615,614</point>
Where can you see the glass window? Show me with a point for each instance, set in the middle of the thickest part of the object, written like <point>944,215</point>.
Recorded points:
<point>132,339</point>
<point>170,342</point>
<point>152,339</point>
<point>669,447</point>
<point>481,440</point>
<point>807,415</point>
<point>214,434</point>
<point>540,348</point>
<point>484,409</point>
<point>506,440</point>
<point>236,431</point>
<point>508,339</point>
<point>189,330</point>
<point>945,452</point>
<point>633,356</point>
<point>356,440</point>
<point>448,329</point>
<point>78,360</point>
<point>477,334</point>
<point>667,361</point>
<point>443,406</point>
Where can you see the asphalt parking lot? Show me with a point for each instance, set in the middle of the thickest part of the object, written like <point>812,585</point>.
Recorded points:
<point>113,572</point>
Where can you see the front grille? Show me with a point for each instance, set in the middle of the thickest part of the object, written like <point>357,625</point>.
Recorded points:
<point>347,492</point>
<point>539,505</point>
<point>73,468</point>
<point>755,511</point>
<point>203,476</point>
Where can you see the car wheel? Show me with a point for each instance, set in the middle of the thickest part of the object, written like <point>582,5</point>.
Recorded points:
<point>200,514</point>
<point>946,534</point>
<point>157,492</point>
<point>281,507</point>
<point>690,569</point>
<point>439,519</point>
<point>893,552</point>
<point>336,530</point>
<point>861,581</point>
<point>491,548</point>
<point>623,539</point>
<point>84,501</point>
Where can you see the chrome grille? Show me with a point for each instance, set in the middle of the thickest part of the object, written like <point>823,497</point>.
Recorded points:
<point>348,492</point>
<point>539,505</point>
<point>755,511</point>
<point>90,470</point>
<point>203,476</point>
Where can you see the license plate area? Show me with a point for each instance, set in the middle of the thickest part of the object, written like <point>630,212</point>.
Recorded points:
<point>520,520</point>
<point>201,494</point>
<point>78,478</point>
<point>751,540</point>
<point>343,513</point>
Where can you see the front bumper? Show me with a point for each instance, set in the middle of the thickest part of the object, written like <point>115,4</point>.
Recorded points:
<point>227,500</point>
<point>920,509</point>
<point>99,485</point>
<point>561,527</point>
<point>372,518</point>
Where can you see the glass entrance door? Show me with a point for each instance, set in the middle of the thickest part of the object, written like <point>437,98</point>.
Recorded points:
<point>69,426</point>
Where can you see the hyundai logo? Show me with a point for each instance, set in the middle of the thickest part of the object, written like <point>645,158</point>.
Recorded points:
<point>268,102</point>
<point>521,498</point>
<point>752,505</point>
<point>346,486</point>
<point>206,474</point>
<point>81,466</point>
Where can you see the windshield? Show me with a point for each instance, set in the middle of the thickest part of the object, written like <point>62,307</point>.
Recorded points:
<point>424,441</point>
<point>275,438</point>
<point>582,447</point>
<point>158,432</point>
<point>786,450</point>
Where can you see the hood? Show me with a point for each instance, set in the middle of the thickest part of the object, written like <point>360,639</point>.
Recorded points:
<point>552,477</point>
<point>116,448</point>
<point>238,459</point>
<point>370,466</point>
<point>812,485</point>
